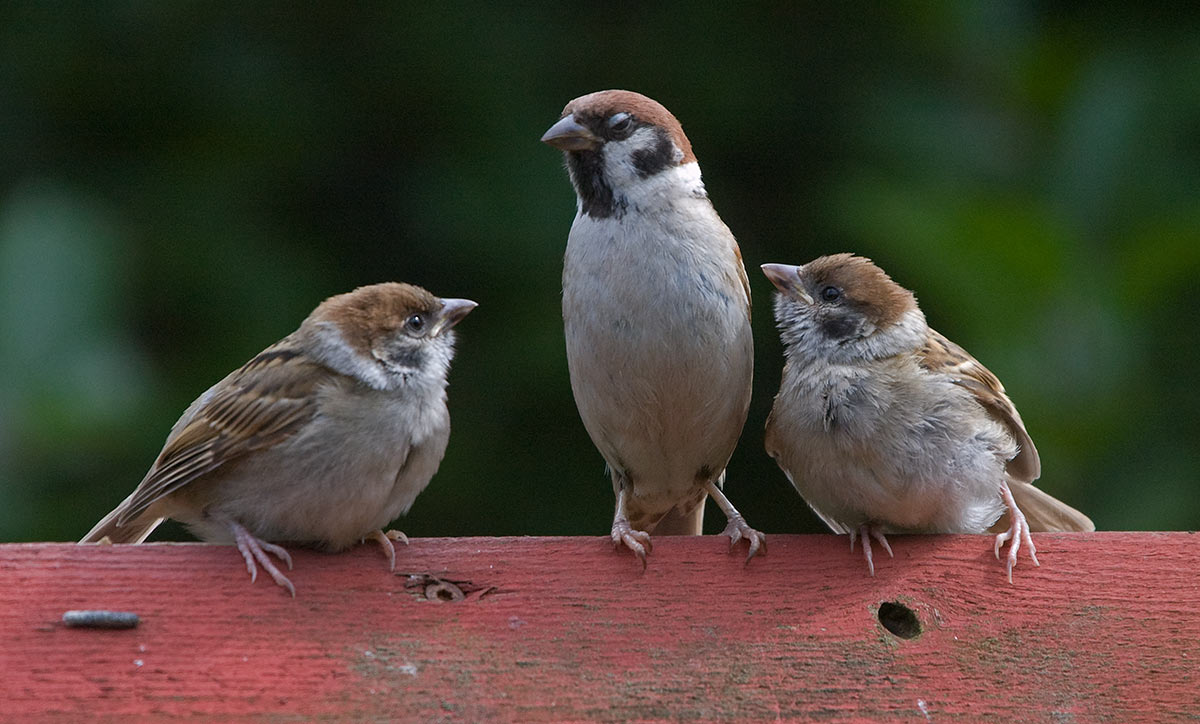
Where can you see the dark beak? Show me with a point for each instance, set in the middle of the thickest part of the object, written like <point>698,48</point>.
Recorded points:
<point>568,135</point>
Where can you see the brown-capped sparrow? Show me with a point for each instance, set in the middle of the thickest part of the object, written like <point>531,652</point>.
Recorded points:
<point>656,306</point>
<point>885,426</point>
<point>321,439</point>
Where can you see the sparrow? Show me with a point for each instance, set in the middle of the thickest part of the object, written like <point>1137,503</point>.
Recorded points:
<point>885,426</point>
<point>656,311</point>
<point>321,439</point>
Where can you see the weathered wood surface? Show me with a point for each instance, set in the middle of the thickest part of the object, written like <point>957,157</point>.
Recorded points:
<point>564,629</point>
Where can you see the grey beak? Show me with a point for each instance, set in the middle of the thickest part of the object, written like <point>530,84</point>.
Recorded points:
<point>452,312</point>
<point>786,279</point>
<point>568,135</point>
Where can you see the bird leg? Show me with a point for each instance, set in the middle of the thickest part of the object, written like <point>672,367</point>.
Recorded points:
<point>385,542</point>
<point>868,532</point>
<point>1018,532</point>
<point>623,533</point>
<point>737,527</point>
<point>253,549</point>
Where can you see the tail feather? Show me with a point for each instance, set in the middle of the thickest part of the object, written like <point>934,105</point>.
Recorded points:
<point>133,531</point>
<point>1044,512</point>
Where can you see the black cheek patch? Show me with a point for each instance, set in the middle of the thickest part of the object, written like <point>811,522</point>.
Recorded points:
<point>838,327</point>
<point>660,156</point>
<point>406,356</point>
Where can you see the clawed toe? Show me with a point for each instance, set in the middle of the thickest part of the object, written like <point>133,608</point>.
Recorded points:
<point>385,542</point>
<point>637,541</point>
<point>1018,533</point>
<point>255,551</point>
<point>868,532</point>
<point>738,529</point>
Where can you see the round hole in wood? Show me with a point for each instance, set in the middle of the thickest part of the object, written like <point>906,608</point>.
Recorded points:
<point>899,619</point>
<point>443,591</point>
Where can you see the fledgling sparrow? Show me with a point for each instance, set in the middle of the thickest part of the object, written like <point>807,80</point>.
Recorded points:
<point>885,426</point>
<point>656,308</point>
<point>320,440</point>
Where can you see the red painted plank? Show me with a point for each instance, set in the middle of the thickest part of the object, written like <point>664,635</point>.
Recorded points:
<point>564,629</point>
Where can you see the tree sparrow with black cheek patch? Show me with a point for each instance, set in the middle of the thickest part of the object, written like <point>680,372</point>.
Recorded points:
<point>656,308</point>
<point>885,426</point>
<point>321,439</point>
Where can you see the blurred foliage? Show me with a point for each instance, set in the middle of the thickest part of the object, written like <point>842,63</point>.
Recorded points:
<point>180,183</point>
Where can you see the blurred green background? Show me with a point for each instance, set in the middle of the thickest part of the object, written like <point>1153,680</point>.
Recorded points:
<point>182,182</point>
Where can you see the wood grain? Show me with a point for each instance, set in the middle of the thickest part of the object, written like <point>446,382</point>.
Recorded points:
<point>566,629</point>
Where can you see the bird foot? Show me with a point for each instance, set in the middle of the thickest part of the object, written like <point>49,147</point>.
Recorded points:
<point>738,529</point>
<point>1018,533</point>
<point>254,549</point>
<point>867,532</point>
<point>385,542</point>
<point>637,541</point>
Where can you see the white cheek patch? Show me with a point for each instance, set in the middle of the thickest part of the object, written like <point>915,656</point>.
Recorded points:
<point>906,335</point>
<point>338,355</point>
<point>796,329</point>
<point>620,166</point>
<point>422,364</point>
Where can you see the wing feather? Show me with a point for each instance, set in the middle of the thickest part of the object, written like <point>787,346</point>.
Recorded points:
<point>745,280</point>
<point>258,406</point>
<point>943,356</point>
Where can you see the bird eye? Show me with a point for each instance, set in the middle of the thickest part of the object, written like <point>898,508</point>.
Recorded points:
<point>831,294</point>
<point>620,123</point>
<point>415,324</point>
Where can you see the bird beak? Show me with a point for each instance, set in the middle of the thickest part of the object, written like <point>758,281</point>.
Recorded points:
<point>786,279</point>
<point>453,310</point>
<point>568,135</point>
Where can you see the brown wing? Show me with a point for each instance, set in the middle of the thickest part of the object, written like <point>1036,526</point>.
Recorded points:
<point>745,280</point>
<point>942,355</point>
<point>256,407</point>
